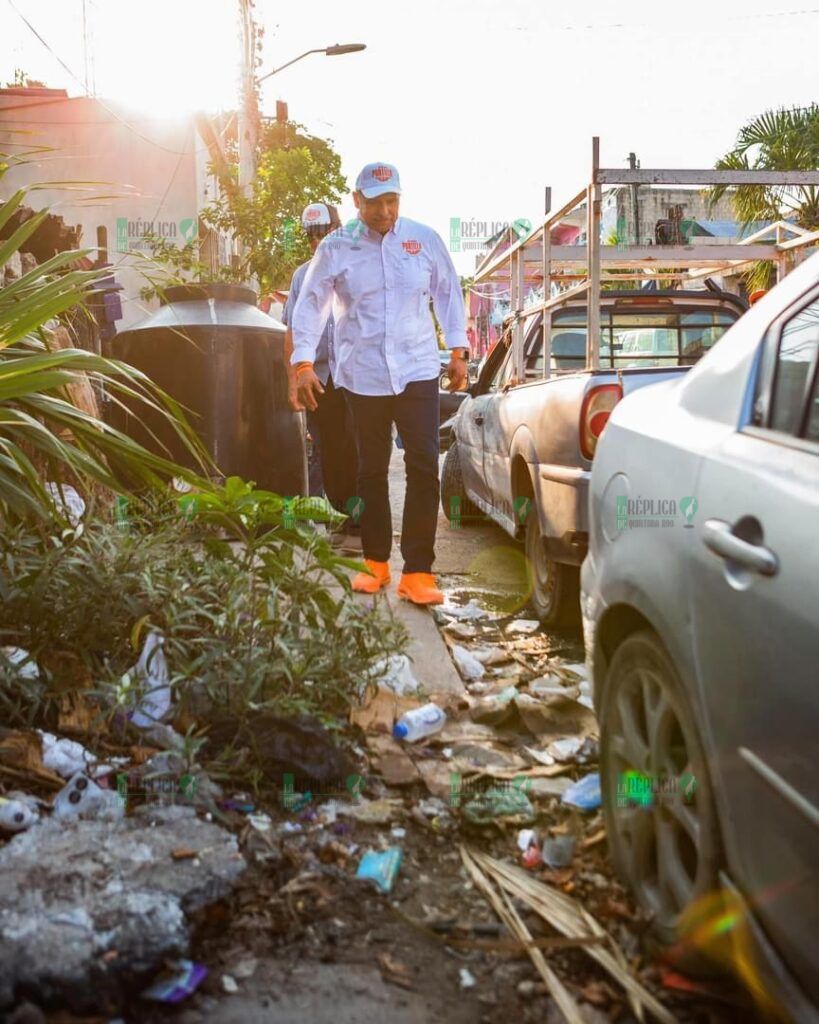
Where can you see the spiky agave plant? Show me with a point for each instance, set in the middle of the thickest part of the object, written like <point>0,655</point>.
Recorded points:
<point>43,433</point>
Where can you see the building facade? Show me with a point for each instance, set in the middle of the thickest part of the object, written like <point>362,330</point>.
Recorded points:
<point>117,177</point>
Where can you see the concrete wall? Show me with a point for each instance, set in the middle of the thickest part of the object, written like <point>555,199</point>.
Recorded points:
<point>653,202</point>
<point>146,174</point>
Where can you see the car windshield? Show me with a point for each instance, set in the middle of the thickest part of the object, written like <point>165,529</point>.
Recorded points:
<point>630,339</point>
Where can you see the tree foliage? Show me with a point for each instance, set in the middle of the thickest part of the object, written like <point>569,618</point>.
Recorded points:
<point>293,169</point>
<point>786,139</point>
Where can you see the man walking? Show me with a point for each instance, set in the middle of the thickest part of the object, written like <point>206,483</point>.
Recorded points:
<point>328,419</point>
<point>378,275</point>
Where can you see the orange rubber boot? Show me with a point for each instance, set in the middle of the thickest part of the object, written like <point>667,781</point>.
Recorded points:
<point>371,582</point>
<point>420,588</point>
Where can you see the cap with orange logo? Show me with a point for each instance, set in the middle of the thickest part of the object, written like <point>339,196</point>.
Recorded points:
<point>377,179</point>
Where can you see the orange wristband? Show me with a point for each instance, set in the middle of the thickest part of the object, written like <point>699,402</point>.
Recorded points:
<point>301,367</point>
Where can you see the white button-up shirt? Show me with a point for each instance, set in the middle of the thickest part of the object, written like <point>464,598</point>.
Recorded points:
<point>379,289</point>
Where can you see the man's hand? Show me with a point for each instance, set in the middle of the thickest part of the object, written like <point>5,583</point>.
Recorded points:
<point>457,370</point>
<point>293,396</point>
<point>308,386</point>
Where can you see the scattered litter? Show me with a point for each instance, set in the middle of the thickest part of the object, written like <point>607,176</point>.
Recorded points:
<point>564,750</point>
<point>529,846</point>
<point>177,983</point>
<point>394,972</point>
<point>585,793</point>
<point>239,802</point>
<point>373,812</point>
<point>566,916</point>
<point>492,655</point>
<point>381,867</point>
<point>545,787</point>
<point>149,679</point>
<point>229,985</point>
<point>460,631</point>
<point>555,717</point>
<point>526,837</point>
<point>508,804</point>
<point>398,833</point>
<point>495,709</point>
<point>468,665</point>
<point>541,756</point>
<point>578,668</point>
<point>395,674</point>
<point>558,851</point>
<point>532,858</point>
<point>261,822</point>
<point>420,722</point>
<point>523,626</point>
<point>550,686</point>
<point>81,797</point>
<point>379,710</point>
<point>467,612</point>
<point>22,661</point>
<point>18,812</point>
<point>68,499</point>
<point>467,978</point>
<point>65,757</point>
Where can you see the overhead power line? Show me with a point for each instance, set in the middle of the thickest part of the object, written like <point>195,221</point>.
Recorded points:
<point>67,69</point>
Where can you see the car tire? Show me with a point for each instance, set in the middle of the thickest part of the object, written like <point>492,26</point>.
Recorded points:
<point>453,492</point>
<point>648,731</point>
<point>554,587</point>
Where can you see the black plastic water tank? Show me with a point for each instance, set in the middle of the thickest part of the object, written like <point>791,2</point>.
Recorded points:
<point>222,359</point>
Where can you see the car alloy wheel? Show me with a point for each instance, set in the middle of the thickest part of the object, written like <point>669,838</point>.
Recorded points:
<point>657,798</point>
<point>554,586</point>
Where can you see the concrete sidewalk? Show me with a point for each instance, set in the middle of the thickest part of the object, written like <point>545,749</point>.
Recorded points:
<point>432,665</point>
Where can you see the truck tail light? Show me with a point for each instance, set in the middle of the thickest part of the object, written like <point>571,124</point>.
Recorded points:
<point>594,415</point>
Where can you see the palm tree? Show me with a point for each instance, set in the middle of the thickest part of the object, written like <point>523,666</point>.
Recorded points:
<point>786,139</point>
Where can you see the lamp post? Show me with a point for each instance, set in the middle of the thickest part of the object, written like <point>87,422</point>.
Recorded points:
<point>248,116</point>
<point>329,51</point>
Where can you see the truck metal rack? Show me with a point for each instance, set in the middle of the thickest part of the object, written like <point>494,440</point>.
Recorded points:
<point>534,258</point>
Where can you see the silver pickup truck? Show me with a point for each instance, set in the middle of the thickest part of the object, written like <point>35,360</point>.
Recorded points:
<point>522,449</point>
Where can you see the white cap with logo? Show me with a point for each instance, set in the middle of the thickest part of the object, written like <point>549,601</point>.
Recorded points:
<point>315,215</point>
<point>376,179</point>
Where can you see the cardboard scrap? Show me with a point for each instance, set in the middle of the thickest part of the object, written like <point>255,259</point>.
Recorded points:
<point>380,710</point>
<point>391,760</point>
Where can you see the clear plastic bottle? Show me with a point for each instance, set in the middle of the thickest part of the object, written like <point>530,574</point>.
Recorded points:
<point>414,725</point>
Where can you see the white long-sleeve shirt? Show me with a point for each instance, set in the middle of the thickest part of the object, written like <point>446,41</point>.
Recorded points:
<point>378,289</point>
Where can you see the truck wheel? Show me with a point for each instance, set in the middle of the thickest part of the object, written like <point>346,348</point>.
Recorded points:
<point>454,502</point>
<point>555,587</point>
<point>658,802</point>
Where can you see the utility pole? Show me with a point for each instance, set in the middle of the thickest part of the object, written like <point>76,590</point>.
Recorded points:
<point>634,163</point>
<point>248,108</point>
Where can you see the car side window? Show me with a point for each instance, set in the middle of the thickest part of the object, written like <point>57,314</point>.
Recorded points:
<point>794,398</point>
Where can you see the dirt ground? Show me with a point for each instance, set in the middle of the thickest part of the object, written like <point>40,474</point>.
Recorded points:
<point>305,941</point>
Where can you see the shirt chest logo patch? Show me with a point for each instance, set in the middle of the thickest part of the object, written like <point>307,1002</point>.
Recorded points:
<point>412,247</point>
<point>382,173</point>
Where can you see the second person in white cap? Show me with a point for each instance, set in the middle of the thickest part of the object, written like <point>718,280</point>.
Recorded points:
<point>328,420</point>
<point>378,275</point>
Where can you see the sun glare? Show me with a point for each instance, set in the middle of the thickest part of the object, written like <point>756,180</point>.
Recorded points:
<point>166,57</point>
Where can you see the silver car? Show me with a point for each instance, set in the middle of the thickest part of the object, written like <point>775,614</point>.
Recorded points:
<point>700,601</point>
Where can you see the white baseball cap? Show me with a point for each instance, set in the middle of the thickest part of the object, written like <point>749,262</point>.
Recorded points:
<point>316,215</point>
<point>376,179</point>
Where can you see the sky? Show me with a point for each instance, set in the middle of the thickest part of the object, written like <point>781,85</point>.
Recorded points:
<point>479,104</point>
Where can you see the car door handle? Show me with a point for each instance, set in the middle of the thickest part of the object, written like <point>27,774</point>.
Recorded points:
<point>719,537</point>
<point>478,419</point>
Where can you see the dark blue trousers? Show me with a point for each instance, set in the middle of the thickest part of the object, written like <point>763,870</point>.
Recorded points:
<point>415,414</point>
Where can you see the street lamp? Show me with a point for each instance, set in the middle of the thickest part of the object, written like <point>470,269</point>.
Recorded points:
<point>329,51</point>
